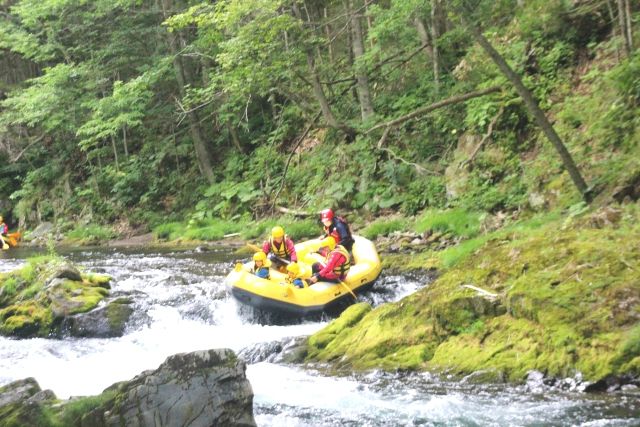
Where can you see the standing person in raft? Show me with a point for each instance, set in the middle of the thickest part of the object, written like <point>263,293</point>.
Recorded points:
<point>336,266</point>
<point>281,248</point>
<point>337,227</point>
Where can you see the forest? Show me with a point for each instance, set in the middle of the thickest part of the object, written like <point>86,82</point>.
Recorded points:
<point>173,115</point>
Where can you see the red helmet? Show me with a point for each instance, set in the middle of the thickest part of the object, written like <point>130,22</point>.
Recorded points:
<point>326,214</point>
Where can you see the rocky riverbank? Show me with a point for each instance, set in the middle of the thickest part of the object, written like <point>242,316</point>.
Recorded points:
<point>202,388</point>
<point>558,296</point>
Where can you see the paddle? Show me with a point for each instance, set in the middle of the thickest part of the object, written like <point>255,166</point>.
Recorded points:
<point>355,298</point>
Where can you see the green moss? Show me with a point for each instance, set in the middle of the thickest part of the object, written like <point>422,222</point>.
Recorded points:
<point>347,319</point>
<point>566,300</point>
<point>95,279</point>
<point>456,221</point>
<point>32,310</point>
<point>384,227</point>
<point>90,234</point>
<point>72,412</point>
<point>26,318</point>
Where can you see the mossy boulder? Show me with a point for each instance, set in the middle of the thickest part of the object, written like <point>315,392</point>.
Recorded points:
<point>560,297</point>
<point>104,322</point>
<point>202,388</point>
<point>35,299</point>
<point>21,404</point>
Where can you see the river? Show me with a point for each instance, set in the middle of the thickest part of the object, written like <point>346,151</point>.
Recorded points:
<point>181,305</point>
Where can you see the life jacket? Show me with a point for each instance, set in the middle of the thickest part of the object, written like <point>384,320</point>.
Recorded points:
<point>332,230</point>
<point>3,228</point>
<point>342,269</point>
<point>261,272</point>
<point>282,251</point>
<point>298,282</point>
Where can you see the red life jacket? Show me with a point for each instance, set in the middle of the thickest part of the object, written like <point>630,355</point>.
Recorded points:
<point>342,269</point>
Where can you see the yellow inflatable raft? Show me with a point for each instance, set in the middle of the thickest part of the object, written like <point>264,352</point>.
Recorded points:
<point>275,294</point>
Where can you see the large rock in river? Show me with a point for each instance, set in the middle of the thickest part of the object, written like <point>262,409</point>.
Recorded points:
<point>199,389</point>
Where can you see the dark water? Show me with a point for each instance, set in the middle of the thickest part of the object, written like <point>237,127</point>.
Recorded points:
<point>182,305</point>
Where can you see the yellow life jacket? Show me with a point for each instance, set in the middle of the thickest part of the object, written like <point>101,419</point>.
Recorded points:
<point>342,269</point>
<point>282,251</point>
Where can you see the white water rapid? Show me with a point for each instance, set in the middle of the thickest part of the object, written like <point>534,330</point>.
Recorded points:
<point>181,305</point>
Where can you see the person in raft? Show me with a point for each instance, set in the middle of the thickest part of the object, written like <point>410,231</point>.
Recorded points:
<point>338,228</point>
<point>260,265</point>
<point>4,230</point>
<point>293,276</point>
<point>337,263</point>
<point>280,248</point>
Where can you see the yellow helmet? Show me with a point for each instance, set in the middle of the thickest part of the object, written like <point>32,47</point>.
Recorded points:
<point>260,256</point>
<point>328,242</point>
<point>293,268</point>
<point>277,232</point>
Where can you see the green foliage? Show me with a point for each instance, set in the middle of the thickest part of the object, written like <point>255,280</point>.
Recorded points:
<point>169,231</point>
<point>455,221</point>
<point>9,286</point>
<point>91,234</point>
<point>108,126</point>
<point>71,413</point>
<point>384,227</point>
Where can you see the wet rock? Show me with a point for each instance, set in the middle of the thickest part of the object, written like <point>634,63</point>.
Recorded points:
<point>104,322</point>
<point>18,391</point>
<point>41,231</point>
<point>63,271</point>
<point>611,383</point>
<point>203,388</point>
<point>485,376</point>
<point>22,403</point>
<point>290,350</point>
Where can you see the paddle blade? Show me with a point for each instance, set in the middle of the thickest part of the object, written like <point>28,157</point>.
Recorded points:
<point>238,267</point>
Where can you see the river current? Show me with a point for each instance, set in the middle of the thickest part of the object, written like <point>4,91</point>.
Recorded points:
<point>181,305</point>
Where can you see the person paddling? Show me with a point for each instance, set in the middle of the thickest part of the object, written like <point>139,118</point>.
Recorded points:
<point>338,228</point>
<point>280,248</point>
<point>4,230</point>
<point>336,266</point>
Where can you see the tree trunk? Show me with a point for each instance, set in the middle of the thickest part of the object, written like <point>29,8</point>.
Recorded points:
<point>235,138</point>
<point>181,72</point>
<point>318,91</point>
<point>622,21</point>
<point>614,28</point>
<point>327,32</point>
<point>627,7</point>
<point>369,20</point>
<point>532,106</point>
<point>124,141</point>
<point>425,37</point>
<point>364,96</point>
<point>436,32</point>
<point>115,151</point>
